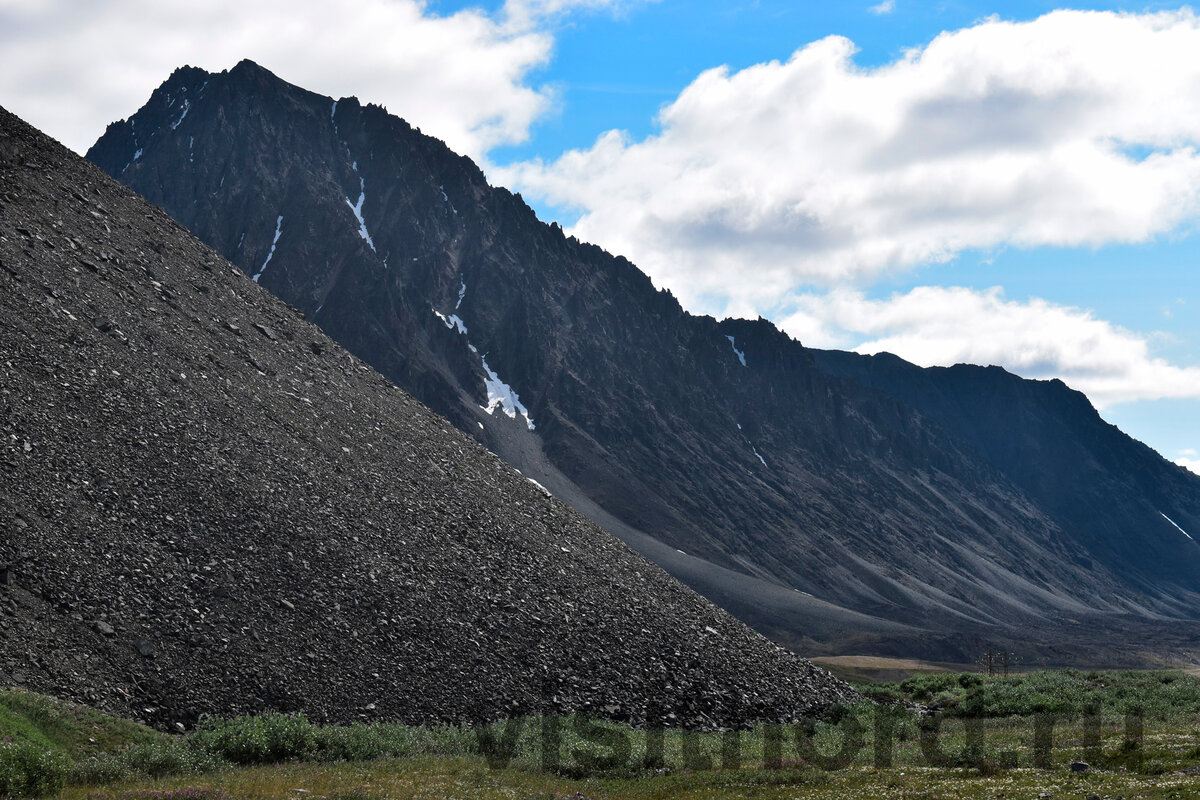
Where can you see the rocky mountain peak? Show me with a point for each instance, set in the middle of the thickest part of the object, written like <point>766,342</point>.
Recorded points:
<point>794,486</point>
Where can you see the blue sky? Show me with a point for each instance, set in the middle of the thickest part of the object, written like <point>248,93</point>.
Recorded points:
<point>1012,183</point>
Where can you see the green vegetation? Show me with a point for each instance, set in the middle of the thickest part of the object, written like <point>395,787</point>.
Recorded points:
<point>1158,694</point>
<point>1011,737</point>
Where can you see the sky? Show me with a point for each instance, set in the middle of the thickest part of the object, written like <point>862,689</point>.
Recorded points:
<point>1011,183</point>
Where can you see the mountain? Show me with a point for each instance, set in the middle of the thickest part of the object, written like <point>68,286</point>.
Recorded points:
<point>208,506</point>
<point>831,512</point>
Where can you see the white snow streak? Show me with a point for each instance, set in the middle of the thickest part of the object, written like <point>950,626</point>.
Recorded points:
<point>270,255</point>
<point>1181,530</point>
<point>760,458</point>
<point>454,322</point>
<point>501,395</point>
<point>357,209</point>
<point>462,291</point>
<point>741,356</point>
<point>186,107</point>
<point>447,199</point>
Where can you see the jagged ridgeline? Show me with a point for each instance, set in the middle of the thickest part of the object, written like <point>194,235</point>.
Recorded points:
<point>209,506</point>
<point>840,504</point>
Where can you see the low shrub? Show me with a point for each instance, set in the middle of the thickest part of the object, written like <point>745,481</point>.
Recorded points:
<point>27,769</point>
<point>268,739</point>
<point>155,760</point>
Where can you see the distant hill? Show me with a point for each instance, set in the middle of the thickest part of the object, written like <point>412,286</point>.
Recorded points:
<point>208,506</point>
<point>832,511</point>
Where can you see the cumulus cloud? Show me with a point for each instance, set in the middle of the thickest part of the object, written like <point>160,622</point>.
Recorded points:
<point>1190,459</point>
<point>1074,129</point>
<point>886,7</point>
<point>71,68</point>
<point>937,325</point>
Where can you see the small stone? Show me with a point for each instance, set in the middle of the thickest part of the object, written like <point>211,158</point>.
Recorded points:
<point>144,647</point>
<point>1080,766</point>
<point>104,628</point>
<point>102,324</point>
<point>287,605</point>
<point>265,331</point>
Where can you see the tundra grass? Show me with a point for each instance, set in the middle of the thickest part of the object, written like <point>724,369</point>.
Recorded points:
<point>1025,736</point>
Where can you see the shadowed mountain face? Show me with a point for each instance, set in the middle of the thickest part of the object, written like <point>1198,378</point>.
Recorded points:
<point>831,511</point>
<point>209,506</point>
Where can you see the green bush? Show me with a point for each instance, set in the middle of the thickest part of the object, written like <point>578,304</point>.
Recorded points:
<point>156,760</point>
<point>29,770</point>
<point>268,739</point>
<point>352,743</point>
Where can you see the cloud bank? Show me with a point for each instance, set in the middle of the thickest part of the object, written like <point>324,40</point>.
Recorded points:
<point>1078,128</point>
<point>71,68</point>
<point>936,325</point>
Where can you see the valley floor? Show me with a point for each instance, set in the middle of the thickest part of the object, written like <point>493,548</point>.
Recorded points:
<point>436,779</point>
<point>1044,735</point>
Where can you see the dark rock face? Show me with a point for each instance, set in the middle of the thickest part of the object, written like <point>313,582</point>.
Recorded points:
<point>208,506</point>
<point>1113,497</point>
<point>827,511</point>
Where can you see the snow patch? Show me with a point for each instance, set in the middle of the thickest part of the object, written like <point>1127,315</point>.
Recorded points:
<point>545,491</point>
<point>442,189</point>
<point>1173,522</point>
<point>137,155</point>
<point>501,395</point>
<point>454,322</point>
<point>186,107</point>
<point>357,209</point>
<point>741,356</point>
<point>760,458</point>
<point>270,255</point>
<point>462,291</point>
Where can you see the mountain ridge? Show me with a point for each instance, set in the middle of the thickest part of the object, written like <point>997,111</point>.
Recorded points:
<point>750,454</point>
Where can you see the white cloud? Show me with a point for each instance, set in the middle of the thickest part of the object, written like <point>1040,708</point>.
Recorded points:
<point>1075,129</point>
<point>886,7</point>
<point>935,325</point>
<point>1190,459</point>
<point>71,68</point>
